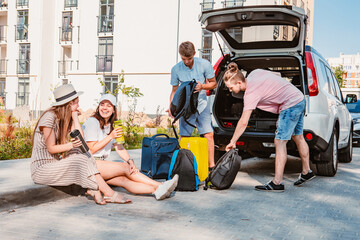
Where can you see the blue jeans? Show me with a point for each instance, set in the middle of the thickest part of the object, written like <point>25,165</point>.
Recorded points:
<point>290,122</point>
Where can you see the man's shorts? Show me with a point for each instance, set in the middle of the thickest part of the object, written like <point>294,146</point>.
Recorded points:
<point>290,122</point>
<point>202,121</point>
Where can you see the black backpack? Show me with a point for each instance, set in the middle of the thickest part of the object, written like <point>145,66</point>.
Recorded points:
<point>225,171</point>
<point>183,163</point>
<point>185,101</point>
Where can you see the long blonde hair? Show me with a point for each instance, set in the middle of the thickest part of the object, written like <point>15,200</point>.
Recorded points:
<point>231,71</point>
<point>63,114</point>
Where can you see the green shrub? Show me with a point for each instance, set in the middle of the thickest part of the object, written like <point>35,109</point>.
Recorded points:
<point>18,147</point>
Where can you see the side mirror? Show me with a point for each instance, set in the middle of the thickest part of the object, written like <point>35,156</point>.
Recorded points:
<point>350,98</point>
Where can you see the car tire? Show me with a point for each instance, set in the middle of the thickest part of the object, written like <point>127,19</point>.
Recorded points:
<point>330,157</point>
<point>346,155</point>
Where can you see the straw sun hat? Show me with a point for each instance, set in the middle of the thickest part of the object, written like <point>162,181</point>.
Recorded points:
<point>64,94</point>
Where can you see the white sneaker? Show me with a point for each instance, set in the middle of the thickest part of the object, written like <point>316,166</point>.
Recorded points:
<point>164,190</point>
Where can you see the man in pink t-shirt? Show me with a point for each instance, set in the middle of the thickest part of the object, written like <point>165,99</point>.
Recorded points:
<point>269,92</point>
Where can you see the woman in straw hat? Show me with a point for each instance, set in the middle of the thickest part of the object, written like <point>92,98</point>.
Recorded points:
<point>100,135</point>
<point>56,161</point>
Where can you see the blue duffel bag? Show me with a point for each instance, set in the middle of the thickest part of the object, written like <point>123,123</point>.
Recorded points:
<point>156,155</point>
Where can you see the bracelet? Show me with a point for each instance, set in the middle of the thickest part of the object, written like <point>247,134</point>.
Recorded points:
<point>130,159</point>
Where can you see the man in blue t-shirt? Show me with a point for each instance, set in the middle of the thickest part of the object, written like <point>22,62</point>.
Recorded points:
<point>201,70</point>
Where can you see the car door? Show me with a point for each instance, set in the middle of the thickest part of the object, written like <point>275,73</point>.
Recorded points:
<point>259,29</point>
<point>342,112</point>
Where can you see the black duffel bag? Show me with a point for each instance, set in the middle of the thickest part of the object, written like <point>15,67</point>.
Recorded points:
<point>224,173</point>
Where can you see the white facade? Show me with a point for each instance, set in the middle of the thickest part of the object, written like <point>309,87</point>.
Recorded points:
<point>62,44</point>
<point>351,65</point>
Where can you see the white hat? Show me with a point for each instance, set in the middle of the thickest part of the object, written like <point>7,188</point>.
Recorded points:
<point>64,94</point>
<point>111,98</point>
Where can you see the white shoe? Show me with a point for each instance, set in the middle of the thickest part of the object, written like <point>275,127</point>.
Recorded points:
<point>164,190</point>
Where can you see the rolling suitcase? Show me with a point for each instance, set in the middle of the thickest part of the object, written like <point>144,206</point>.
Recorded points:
<point>156,155</point>
<point>199,147</point>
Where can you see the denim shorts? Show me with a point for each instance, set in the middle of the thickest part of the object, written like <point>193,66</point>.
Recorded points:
<point>202,121</point>
<point>290,122</point>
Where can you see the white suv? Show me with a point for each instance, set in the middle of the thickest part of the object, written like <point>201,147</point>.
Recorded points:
<point>273,38</point>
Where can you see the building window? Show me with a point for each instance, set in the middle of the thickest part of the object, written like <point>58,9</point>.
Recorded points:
<point>22,25</point>
<point>70,3</point>
<point>106,16</point>
<point>111,83</point>
<point>22,3</point>
<point>357,75</point>
<point>23,66</point>
<point>207,5</point>
<point>105,57</point>
<point>233,3</point>
<point>348,75</point>
<point>3,66</point>
<point>22,96</point>
<point>66,28</point>
<point>206,45</point>
<point>2,92</point>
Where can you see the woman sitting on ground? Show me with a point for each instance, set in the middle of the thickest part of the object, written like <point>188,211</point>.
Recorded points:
<point>100,137</point>
<point>58,161</point>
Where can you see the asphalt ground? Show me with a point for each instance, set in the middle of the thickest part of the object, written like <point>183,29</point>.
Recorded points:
<point>324,208</point>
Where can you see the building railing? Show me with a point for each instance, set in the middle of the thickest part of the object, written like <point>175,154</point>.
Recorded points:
<point>3,33</point>
<point>3,66</point>
<point>22,3</point>
<point>206,53</point>
<point>21,32</point>
<point>2,100</point>
<point>64,67</point>
<point>207,6</point>
<point>104,63</point>
<point>106,24</point>
<point>23,66</point>
<point>70,3</point>
<point>233,3</point>
<point>3,3</point>
<point>22,99</point>
<point>66,33</point>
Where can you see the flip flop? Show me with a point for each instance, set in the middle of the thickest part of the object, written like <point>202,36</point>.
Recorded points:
<point>114,197</point>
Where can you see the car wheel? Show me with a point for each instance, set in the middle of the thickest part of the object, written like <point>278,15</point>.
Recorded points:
<point>346,155</point>
<point>331,157</point>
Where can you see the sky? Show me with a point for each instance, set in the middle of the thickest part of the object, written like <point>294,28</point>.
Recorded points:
<point>336,27</point>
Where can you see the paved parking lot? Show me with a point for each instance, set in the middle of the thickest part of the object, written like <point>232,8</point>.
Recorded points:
<point>325,208</point>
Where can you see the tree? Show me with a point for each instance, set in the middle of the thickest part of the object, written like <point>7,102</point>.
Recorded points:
<point>339,73</point>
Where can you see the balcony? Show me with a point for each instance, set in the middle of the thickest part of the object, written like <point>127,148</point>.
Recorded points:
<point>207,6</point>
<point>3,66</point>
<point>106,24</point>
<point>233,3</point>
<point>3,4</point>
<point>23,66</point>
<point>70,3</point>
<point>104,63</point>
<point>22,3</point>
<point>22,99</point>
<point>3,34</point>
<point>21,33</point>
<point>66,34</point>
<point>65,67</point>
<point>206,53</point>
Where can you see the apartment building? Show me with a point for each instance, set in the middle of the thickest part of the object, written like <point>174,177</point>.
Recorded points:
<point>351,65</point>
<point>44,44</point>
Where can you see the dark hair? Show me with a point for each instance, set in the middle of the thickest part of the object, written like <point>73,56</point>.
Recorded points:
<point>232,70</point>
<point>101,120</point>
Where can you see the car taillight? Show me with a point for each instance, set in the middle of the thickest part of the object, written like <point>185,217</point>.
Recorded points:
<point>309,136</point>
<point>228,124</point>
<point>311,75</point>
<point>240,143</point>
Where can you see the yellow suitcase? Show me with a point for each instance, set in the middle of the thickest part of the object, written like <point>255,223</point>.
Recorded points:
<point>199,147</point>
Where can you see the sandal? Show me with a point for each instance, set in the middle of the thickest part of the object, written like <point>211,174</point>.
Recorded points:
<point>93,194</point>
<point>114,198</point>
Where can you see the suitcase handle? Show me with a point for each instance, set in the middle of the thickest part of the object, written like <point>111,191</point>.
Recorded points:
<point>161,134</point>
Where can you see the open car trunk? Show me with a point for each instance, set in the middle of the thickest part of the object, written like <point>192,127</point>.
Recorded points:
<point>227,108</point>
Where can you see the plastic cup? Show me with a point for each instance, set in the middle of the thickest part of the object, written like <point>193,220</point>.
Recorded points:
<point>118,124</point>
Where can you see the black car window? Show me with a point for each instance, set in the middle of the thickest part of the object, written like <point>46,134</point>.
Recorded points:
<point>325,80</point>
<point>337,87</point>
<point>333,84</point>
